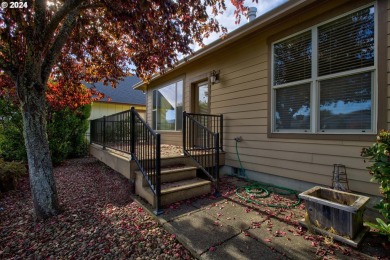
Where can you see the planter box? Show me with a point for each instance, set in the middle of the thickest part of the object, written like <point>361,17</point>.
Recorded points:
<point>335,211</point>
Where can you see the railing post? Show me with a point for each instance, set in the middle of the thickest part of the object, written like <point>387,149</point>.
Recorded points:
<point>158,176</point>
<point>221,132</point>
<point>217,192</point>
<point>132,133</point>
<point>104,132</point>
<point>91,131</point>
<point>184,129</point>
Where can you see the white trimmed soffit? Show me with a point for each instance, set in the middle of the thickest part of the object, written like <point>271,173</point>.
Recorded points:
<point>248,28</point>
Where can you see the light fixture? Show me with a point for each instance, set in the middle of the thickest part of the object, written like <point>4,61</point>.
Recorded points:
<point>214,77</point>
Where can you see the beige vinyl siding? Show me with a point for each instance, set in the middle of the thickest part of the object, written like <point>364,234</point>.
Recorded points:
<point>100,109</point>
<point>174,138</point>
<point>242,97</point>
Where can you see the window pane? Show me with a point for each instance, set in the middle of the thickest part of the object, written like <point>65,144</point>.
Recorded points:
<point>345,103</point>
<point>346,43</point>
<point>154,119</point>
<point>293,107</point>
<point>292,59</point>
<point>179,105</point>
<point>166,115</point>
<point>154,99</point>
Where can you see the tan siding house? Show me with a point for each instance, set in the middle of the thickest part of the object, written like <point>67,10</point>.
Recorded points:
<point>118,99</point>
<point>292,130</point>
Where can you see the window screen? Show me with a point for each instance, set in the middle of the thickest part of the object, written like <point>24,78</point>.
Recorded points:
<point>293,107</point>
<point>292,59</point>
<point>346,43</point>
<point>345,102</point>
<point>338,95</point>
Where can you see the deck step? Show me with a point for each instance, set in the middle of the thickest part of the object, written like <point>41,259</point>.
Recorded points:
<point>174,173</point>
<point>172,187</point>
<point>174,191</point>
<point>185,189</point>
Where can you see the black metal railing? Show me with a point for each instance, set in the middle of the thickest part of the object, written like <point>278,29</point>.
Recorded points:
<point>214,123</point>
<point>97,131</point>
<point>129,133</point>
<point>146,151</point>
<point>202,142</point>
<point>113,131</point>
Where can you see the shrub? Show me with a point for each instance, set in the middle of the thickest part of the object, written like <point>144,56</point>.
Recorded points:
<point>11,132</point>
<point>66,132</point>
<point>379,156</point>
<point>10,172</point>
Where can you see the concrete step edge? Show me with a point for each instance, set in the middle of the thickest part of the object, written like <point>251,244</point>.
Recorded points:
<point>181,169</point>
<point>184,185</point>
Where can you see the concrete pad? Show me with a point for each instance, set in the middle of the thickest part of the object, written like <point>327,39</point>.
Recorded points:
<point>206,201</point>
<point>175,211</point>
<point>200,231</point>
<point>295,247</point>
<point>242,247</point>
<point>235,215</point>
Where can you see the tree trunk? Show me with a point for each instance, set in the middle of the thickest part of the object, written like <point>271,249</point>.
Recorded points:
<point>43,188</point>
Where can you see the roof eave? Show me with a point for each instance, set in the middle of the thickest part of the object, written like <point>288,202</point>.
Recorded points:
<point>258,23</point>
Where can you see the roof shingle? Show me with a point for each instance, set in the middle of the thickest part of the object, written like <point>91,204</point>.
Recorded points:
<point>123,93</point>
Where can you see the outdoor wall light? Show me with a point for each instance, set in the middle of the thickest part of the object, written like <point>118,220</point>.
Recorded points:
<point>214,77</point>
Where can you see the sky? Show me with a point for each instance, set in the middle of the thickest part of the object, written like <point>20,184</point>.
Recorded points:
<point>228,19</point>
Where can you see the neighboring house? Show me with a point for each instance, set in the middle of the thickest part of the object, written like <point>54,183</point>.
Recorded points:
<point>305,86</point>
<point>119,99</point>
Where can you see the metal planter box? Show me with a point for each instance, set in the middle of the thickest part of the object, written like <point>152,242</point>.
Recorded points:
<point>335,211</point>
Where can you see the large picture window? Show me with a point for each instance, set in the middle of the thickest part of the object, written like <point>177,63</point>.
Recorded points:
<point>323,79</point>
<point>168,107</point>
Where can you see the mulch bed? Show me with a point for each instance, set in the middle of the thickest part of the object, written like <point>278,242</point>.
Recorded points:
<point>99,220</point>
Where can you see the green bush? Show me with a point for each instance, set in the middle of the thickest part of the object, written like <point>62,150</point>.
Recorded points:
<point>11,132</point>
<point>66,132</point>
<point>10,172</point>
<point>65,128</point>
<point>379,156</point>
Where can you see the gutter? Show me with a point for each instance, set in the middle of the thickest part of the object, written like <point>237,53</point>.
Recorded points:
<point>258,23</point>
<point>117,103</point>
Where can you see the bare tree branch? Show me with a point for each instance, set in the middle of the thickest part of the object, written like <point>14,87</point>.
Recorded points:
<point>58,17</point>
<point>60,40</point>
<point>39,17</point>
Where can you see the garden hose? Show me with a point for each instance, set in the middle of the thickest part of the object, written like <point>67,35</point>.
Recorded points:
<point>242,170</point>
<point>257,190</point>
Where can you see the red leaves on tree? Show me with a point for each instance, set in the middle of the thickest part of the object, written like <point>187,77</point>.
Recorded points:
<point>59,95</point>
<point>106,36</point>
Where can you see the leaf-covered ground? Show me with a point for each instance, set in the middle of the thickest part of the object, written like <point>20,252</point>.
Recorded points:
<point>276,227</point>
<point>99,220</point>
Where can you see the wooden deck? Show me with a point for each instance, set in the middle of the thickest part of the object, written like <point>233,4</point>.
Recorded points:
<point>167,151</point>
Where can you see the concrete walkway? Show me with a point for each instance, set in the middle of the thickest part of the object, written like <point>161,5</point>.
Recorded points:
<point>230,228</point>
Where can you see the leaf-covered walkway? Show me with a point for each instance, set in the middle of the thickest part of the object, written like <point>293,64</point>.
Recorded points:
<point>99,220</point>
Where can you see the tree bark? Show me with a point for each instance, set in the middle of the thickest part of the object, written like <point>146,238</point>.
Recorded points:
<point>34,110</point>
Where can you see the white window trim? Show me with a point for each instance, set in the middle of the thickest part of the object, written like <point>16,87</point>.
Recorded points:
<point>314,87</point>
<point>174,81</point>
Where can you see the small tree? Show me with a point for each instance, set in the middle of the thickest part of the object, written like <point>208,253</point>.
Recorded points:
<point>89,40</point>
<point>379,156</point>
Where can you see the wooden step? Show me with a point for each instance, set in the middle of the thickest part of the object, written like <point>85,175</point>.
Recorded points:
<point>173,191</point>
<point>173,173</point>
<point>185,189</point>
